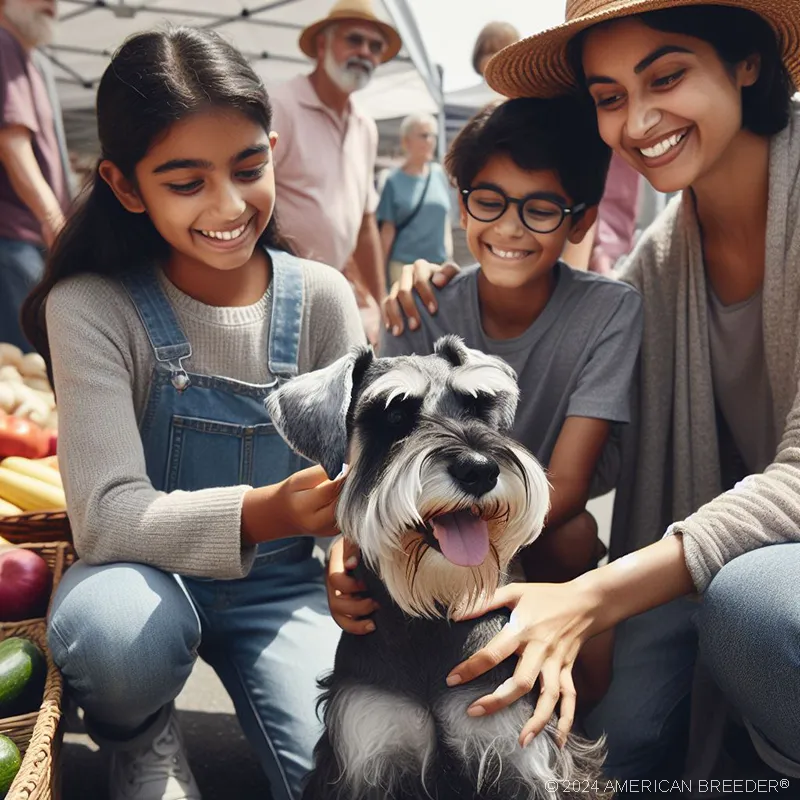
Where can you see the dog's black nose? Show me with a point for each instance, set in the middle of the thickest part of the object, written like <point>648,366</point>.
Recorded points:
<point>474,473</point>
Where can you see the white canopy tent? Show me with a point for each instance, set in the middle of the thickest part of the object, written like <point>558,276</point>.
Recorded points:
<point>267,32</point>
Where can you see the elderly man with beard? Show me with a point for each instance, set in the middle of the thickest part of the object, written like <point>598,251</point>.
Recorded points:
<point>325,158</point>
<point>33,175</point>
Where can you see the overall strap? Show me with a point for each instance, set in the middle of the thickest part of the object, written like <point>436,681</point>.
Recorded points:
<point>287,313</point>
<point>169,343</point>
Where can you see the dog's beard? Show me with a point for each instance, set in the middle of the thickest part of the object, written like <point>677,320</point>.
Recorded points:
<point>388,524</point>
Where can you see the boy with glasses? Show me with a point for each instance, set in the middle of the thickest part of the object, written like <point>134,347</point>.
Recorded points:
<point>530,174</point>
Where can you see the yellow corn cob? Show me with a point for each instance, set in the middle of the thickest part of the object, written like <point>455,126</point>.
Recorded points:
<point>8,510</point>
<point>33,469</point>
<point>29,493</point>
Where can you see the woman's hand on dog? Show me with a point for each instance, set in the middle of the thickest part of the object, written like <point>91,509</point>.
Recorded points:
<point>346,599</point>
<point>549,623</point>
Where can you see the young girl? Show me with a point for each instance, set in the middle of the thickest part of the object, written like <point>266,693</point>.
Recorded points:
<point>172,307</point>
<point>695,98</point>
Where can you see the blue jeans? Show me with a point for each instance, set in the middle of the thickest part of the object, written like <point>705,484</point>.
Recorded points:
<point>748,630</point>
<point>126,637</point>
<point>21,268</point>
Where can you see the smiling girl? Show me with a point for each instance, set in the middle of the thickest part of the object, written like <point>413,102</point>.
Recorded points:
<point>696,97</point>
<point>171,307</point>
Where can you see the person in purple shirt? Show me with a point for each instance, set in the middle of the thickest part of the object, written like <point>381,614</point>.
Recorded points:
<point>34,190</point>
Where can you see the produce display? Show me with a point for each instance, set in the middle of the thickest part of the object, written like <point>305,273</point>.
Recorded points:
<point>25,391</point>
<point>23,669</point>
<point>10,761</point>
<point>25,584</point>
<point>29,485</point>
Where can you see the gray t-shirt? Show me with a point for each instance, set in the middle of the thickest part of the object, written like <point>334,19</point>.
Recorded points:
<point>741,383</point>
<point>575,360</point>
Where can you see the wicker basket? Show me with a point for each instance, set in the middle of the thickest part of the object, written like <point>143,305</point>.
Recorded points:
<point>37,735</point>
<point>58,556</point>
<point>37,526</point>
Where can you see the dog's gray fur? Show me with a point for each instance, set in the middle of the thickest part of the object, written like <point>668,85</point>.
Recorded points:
<point>393,729</point>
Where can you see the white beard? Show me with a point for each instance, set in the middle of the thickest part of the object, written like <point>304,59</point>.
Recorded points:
<point>347,80</point>
<point>33,26</point>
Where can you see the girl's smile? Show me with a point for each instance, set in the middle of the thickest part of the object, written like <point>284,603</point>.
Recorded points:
<point>230,238</point>
<point>208,187</point>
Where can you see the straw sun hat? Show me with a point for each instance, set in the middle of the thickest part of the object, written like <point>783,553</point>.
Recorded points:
<point>538,66</point>
<point>351,11</point>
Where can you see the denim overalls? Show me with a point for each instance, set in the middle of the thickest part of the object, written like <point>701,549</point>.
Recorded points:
<point>269,636</point>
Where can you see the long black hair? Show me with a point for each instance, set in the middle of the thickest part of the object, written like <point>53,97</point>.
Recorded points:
<point>154,80</point>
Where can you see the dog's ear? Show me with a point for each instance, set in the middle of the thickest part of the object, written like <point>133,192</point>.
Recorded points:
<point>310,411</point>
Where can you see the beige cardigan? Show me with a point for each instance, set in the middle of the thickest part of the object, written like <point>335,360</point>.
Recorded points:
<point>671,464</point>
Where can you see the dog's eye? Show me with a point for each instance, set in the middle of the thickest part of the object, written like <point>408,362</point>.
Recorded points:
<point>479,406</point>
<point>397,415</point>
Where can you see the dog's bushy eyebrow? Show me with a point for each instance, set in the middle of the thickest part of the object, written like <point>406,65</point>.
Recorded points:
<point>482,378</point>
<point>402,380</point>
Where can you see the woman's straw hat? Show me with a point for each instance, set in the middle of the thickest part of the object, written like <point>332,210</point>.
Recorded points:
<point>351,11</point>
<point>538,66</point>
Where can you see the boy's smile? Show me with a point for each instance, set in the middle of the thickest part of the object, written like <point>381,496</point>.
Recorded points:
<point>510,254</point>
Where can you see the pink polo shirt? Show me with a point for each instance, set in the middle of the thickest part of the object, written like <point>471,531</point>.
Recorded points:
<point>324,172</point>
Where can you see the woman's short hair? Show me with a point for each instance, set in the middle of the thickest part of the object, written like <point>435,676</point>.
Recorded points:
<point>414,120</point>
<point>492,39</point>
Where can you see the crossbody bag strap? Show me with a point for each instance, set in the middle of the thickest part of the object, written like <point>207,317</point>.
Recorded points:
<point>410,218</point>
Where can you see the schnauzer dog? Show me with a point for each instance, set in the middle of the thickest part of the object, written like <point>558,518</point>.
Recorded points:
<point>439,499</point>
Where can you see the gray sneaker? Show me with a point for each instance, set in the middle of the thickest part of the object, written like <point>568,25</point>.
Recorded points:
<point>158,772</point>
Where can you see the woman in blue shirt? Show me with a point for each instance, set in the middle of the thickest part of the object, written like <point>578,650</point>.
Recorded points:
<point>414,210</point>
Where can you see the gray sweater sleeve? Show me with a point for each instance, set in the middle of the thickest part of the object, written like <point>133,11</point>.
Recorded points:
<point>102,365</point>
<point>760,510</point>
<point>116,513</point>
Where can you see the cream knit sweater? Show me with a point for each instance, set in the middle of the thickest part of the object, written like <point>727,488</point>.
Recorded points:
<point>672,473</point>
<point>102,364</point>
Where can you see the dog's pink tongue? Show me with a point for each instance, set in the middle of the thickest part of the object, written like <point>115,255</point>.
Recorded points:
<point>463,538</point>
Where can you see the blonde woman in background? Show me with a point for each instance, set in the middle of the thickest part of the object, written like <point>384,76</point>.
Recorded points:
<point>414,209</point>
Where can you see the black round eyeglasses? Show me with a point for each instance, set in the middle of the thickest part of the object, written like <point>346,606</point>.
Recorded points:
<point>537,213</point>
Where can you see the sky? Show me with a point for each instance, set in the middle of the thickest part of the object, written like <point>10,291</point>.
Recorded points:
<point>462,21</point>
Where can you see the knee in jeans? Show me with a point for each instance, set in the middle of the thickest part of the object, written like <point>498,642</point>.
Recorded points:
<point>744,616</point>
<point>132,639</point>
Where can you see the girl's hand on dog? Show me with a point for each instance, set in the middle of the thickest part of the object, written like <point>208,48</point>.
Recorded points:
<point>346,597</point>
<point>304,504</point>
<point>549,623</point>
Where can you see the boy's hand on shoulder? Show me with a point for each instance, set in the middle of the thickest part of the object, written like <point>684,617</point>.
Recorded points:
<point>346,595</point>
<point>422,277</point>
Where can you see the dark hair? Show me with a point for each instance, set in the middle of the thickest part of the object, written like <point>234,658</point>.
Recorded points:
<point>154,80</point>
<point>735,34</point>
<point>558,134</point>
